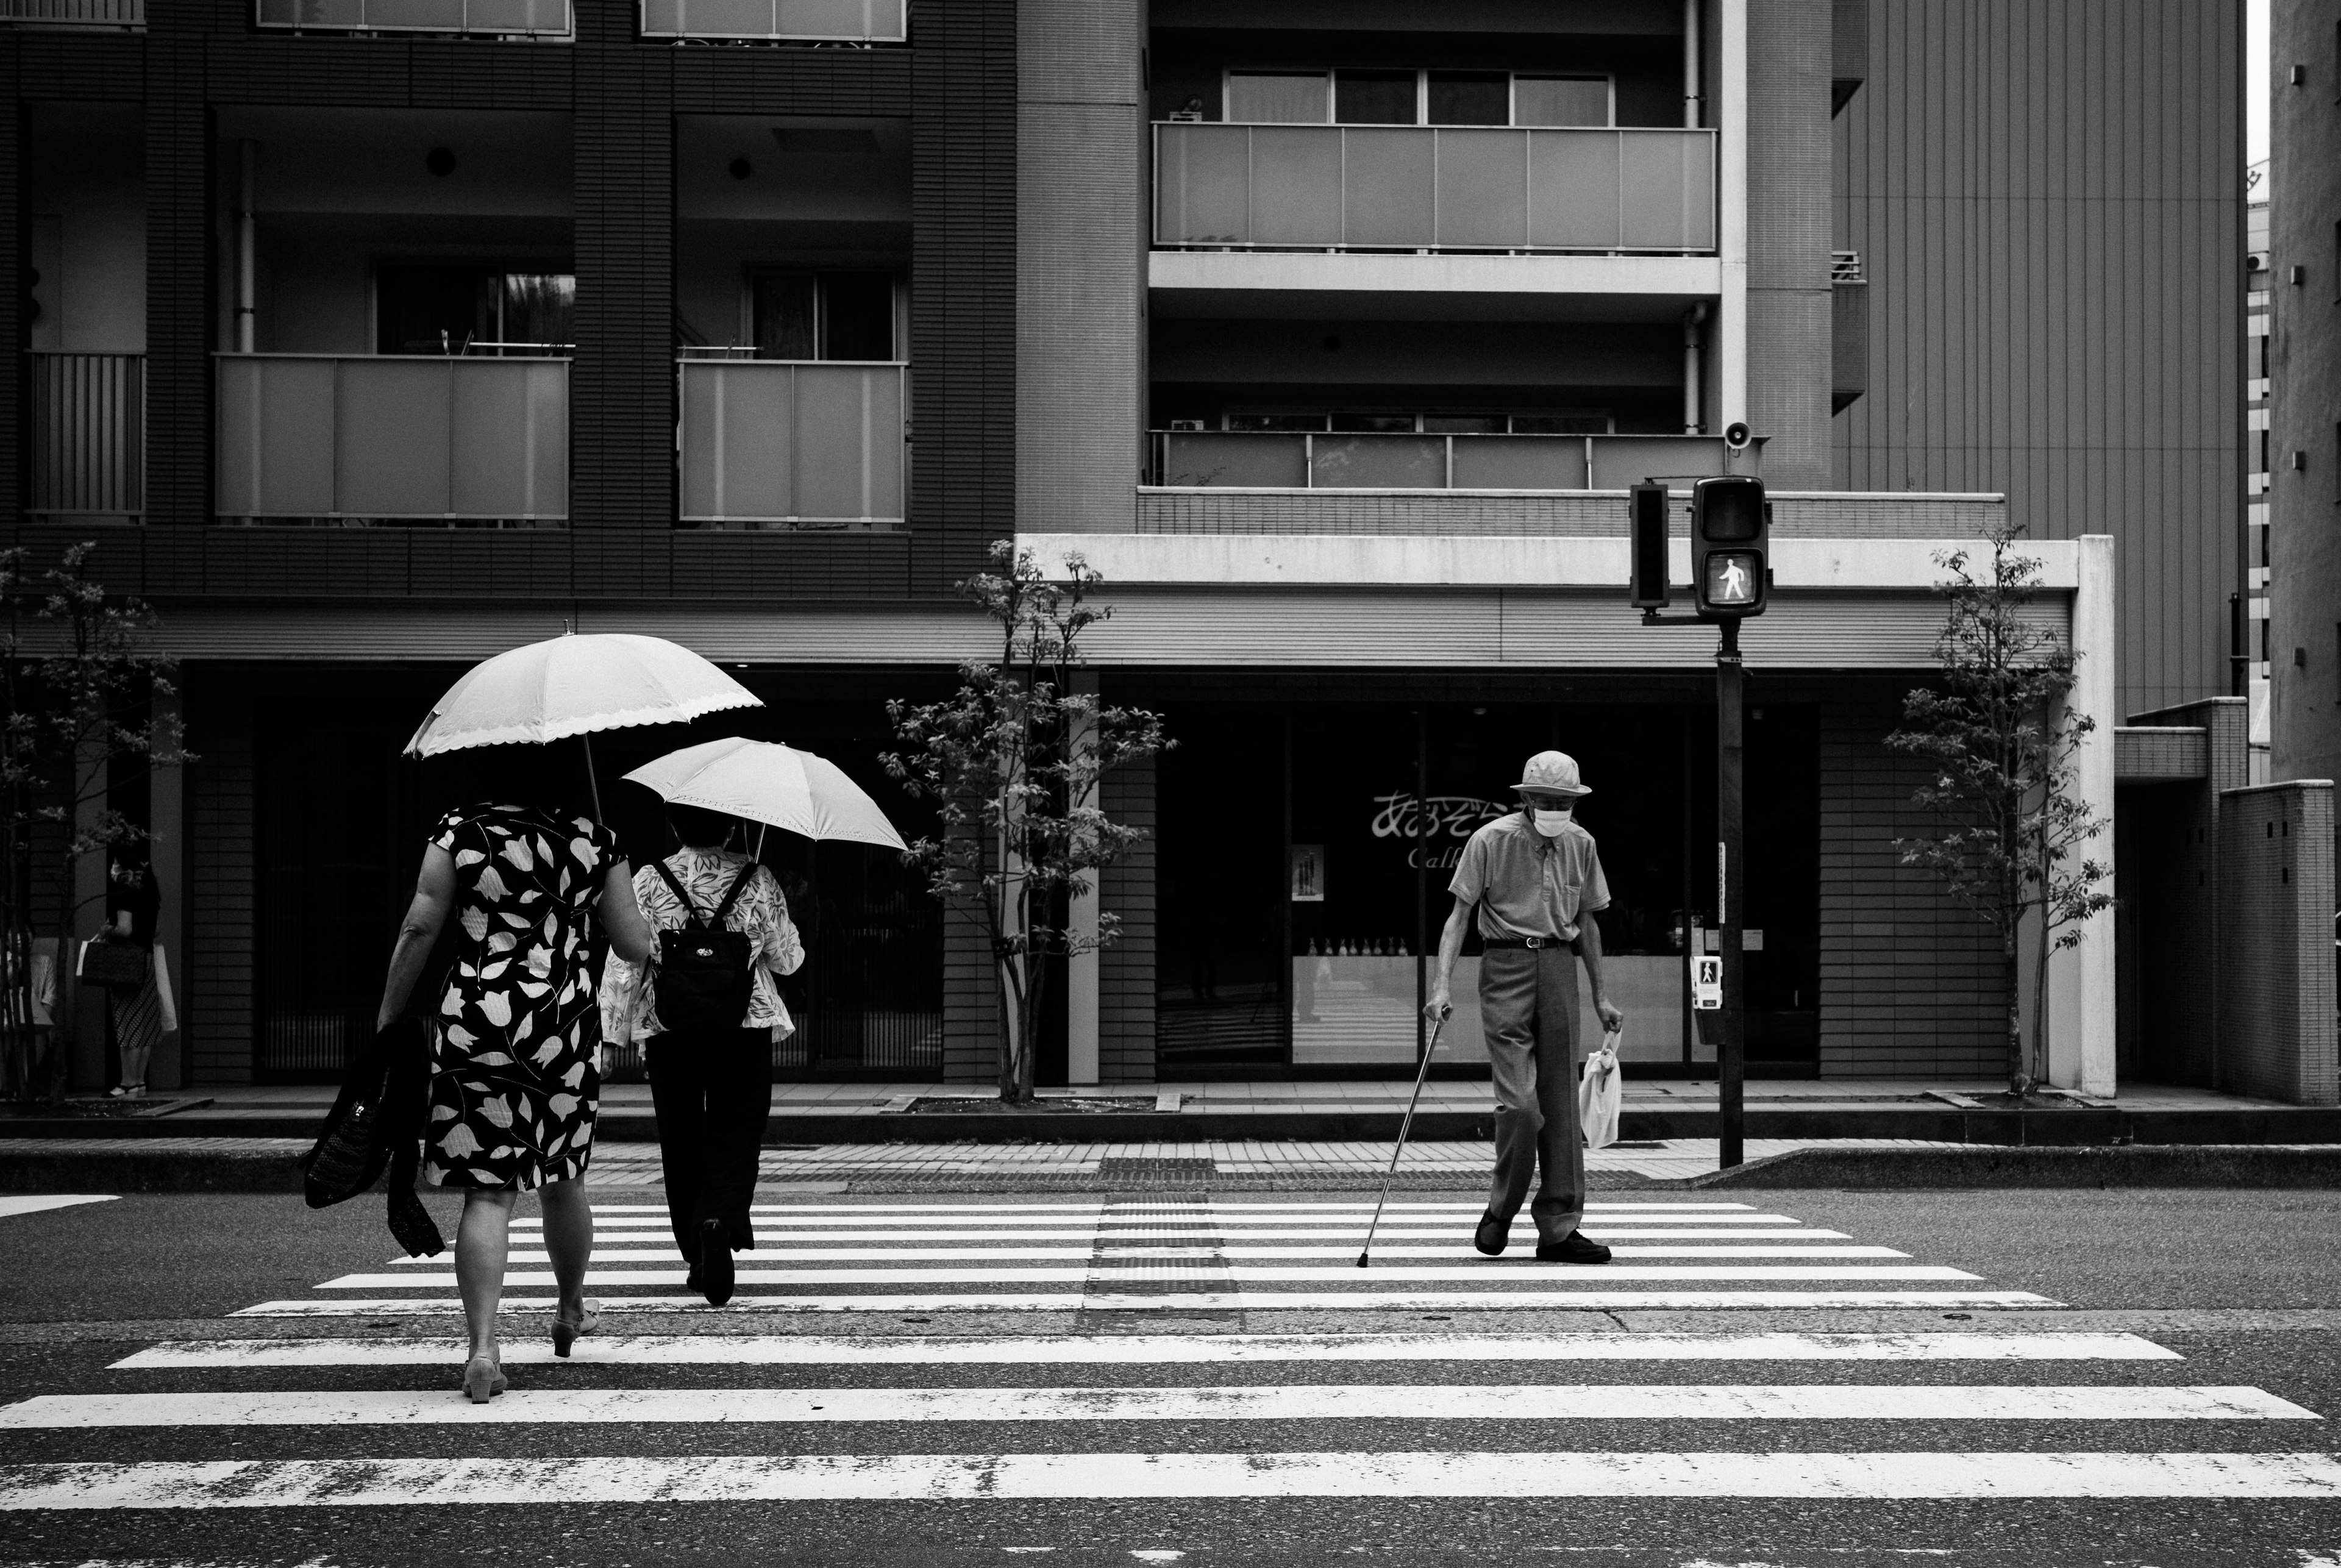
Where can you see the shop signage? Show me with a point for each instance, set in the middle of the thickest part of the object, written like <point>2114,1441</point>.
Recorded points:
<point>1455,817</point>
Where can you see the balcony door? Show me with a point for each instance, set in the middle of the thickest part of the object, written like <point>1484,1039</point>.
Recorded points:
<point>472,309</point>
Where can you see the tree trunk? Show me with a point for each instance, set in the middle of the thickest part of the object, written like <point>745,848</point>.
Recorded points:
<point>2039,1070</point>
<point>1011,1022</point>
<point>2019,1082</point>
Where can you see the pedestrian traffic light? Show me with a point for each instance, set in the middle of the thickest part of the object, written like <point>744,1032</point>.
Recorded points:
<point>1646,518</point>
<point>1729,521</point>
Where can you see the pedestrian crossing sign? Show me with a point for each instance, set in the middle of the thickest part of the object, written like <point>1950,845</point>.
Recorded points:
<point>1706,982</point>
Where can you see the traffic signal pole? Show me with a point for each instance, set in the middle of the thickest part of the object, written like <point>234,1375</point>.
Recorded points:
<point>1730,891</point>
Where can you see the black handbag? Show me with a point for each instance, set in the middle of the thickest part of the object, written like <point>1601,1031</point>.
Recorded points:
<point>376,1125</point>
<point>117,965</point>
<point>704,974</point>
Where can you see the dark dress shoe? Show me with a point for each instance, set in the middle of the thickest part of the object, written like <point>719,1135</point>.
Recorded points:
<point>715,1263</point>
<point>1573,1248</point>
<point>1492,1235</point>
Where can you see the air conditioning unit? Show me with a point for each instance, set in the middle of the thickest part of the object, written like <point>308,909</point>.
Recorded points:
<point>2255,261</point>
<point>1186,424</point>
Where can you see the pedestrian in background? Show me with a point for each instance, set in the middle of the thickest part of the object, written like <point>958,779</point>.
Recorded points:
<point>514,1082</point>
<point>1534,877</point>
<point>137,1017</point>
<point>713,1022</point>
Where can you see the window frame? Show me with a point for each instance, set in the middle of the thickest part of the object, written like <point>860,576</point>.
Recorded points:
<point>1422,95</point>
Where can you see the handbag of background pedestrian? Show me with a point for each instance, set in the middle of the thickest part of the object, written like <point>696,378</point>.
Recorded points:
<point>119,964</point>
<point>704,972</point>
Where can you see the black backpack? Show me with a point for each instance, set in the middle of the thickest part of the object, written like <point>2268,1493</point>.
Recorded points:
<point>704,970</point>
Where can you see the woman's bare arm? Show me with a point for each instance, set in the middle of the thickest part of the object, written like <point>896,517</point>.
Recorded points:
<point>434,895</point>
<point>631,936</point>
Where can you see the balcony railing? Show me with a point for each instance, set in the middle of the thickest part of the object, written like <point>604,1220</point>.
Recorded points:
<point>1281,461</point>
<point>791,443</point>
<point>122,14</point>
<point>1420,187</point>
<point>498,18</point>
<point>89,436</point>
<point>795,21</point>
<point>393,439</point>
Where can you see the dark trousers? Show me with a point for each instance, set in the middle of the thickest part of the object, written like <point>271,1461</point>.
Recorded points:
<point>1528,1008</point>
<point>712,1092</point>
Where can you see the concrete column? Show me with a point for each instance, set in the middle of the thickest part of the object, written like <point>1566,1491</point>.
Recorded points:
<point>2081,979</point>
<point>1731,180</point>
<point>1081,971</point>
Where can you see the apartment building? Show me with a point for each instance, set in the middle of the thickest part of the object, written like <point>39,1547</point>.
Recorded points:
<point>372,336</point>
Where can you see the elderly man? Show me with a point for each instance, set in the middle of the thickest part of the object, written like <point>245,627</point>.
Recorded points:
<point>1533,878</point>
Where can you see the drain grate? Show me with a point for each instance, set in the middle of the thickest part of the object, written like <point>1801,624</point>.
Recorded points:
<point>1143,1169</point>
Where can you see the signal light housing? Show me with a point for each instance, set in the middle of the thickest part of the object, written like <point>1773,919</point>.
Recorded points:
<point>1646,518</point>
<point>1730,529</point>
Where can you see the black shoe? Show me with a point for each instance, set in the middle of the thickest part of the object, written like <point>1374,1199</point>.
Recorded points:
<point>715,1263</point>
<point>1492,1235</point>
<point>1573,1248</point>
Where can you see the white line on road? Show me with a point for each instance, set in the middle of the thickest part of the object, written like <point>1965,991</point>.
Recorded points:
<point>977,1477</point>
<point>1111,1349</point>
<point>1238,1402</point>
<point>660,1237</point>
<point>30,1203</point>
<point>1207,1301</point>
<point>1486,1273</point>
<point>1130,1250</point>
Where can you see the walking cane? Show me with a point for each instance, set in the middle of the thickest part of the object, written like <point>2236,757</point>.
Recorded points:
<point>1420,1073</point>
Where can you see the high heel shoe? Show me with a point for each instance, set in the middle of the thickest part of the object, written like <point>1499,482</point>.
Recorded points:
<point>567,1332</point>
<point>483,1379</point>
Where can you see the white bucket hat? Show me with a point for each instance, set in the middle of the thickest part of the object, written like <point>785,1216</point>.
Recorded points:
<point>1554,773</point>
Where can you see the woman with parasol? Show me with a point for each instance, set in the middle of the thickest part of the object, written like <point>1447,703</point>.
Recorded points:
<point>515,1035</point>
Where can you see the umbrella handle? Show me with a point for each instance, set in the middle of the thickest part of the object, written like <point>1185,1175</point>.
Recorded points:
<point>593,780</point>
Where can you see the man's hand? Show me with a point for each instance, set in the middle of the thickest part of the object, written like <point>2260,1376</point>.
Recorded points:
<point>1613,1018</point>
<point>1438,1009</point>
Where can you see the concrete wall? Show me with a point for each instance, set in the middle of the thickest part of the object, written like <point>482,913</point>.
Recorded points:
<point>1790,306</point>
<point>2275,945</point>
<point>1082,187</point>
<point>2303,545</point>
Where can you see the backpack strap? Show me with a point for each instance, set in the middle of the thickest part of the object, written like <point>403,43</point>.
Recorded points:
<point>731,895</point>
<point>690,910</point>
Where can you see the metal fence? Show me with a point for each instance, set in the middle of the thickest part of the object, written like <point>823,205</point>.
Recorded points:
<point>392,438</point>
<point>1428,187</point>
<point>1280,460</point>
<point>89,435</point>
<point>778,444</point>
<point>499,18</point>
<point>75,13</point>
<point>803,21</point>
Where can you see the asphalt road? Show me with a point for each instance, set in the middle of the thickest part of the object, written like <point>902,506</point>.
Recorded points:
<point>2231,1293</point>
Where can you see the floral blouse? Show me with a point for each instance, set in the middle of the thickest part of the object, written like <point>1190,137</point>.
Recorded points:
<point>630,999</point>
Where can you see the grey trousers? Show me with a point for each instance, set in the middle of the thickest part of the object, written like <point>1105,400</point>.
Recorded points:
<point>1527,1006</point>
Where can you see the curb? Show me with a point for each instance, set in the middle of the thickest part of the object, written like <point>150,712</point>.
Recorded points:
<point>2122,1166</point>
<point>149,1170</point>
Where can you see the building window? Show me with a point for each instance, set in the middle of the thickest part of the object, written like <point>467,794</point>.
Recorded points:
<point>1278,98</point>
<point>825,315</point>
<point>474,310</point>
<point>1382,97</point>
<point>1377,97</point>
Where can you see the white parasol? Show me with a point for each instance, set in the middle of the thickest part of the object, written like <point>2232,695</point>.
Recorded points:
<point>575,684</point>
<point>771,784</point>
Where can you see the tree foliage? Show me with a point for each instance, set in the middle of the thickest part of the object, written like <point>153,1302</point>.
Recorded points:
<point>1012,763</point>
<point>78,677</point>
<point>2011,835</point>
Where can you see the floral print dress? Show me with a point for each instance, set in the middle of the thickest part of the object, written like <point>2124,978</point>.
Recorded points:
<point>513,1088</point>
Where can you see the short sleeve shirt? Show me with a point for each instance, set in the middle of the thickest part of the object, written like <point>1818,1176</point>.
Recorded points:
<point>1526,884</point>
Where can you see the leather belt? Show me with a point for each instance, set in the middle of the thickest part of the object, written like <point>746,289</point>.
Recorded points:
<point>1529,941</point>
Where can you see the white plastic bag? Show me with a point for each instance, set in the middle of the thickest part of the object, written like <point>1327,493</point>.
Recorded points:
<point>1599,1093</point>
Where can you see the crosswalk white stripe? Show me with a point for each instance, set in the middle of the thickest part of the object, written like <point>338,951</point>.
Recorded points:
<point>1133,1249</point>
<point>1102,1350</point>
<point>794,1478</point>
<point>33,1204</point>
<point>914,1223</point>
<point>1226,1401</point>
<point>1589,1299</point>
<point>1488,1272</point>
<point>1462,1234</point>
<point>1180,1205</point>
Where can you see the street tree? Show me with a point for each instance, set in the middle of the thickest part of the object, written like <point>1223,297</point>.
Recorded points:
<point>79,674</point>
<point>2011,836</point>
<point>1012,763</point>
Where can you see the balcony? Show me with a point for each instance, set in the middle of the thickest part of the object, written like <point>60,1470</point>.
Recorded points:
<point>124,14</point>
<point>1228,459</point>
<point>1634,190</point>
<point>89,436</point>
<point>393,439</point>
<point>779,21</point>
<point>793,444</point>
<point>491,18</point>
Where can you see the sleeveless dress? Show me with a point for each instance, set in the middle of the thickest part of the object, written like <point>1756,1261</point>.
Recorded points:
<point>514,1086</point>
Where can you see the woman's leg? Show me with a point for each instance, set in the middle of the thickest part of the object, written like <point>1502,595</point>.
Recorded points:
<point>569,1241</point>
<point>134,1063</point>
<point>679,1101</point>
<point>480,1246</point>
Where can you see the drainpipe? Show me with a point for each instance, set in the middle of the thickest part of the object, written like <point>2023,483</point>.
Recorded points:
<point>1694,319</point>
<point>1692,93</point>
<point>247,161</point>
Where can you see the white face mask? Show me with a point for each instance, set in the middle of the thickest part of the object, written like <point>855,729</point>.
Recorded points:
<point>1550,823</point>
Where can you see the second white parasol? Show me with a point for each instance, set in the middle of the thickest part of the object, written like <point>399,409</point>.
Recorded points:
<point>576,684</point>
<point>768,782</point>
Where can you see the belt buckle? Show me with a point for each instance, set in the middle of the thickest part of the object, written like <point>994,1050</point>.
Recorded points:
<point>1536,944</point>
